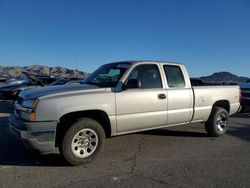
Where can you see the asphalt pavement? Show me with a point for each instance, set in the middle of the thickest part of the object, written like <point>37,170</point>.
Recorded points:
<point>182,156</point>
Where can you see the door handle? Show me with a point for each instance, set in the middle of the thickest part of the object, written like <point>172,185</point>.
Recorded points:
<point>161,96</point>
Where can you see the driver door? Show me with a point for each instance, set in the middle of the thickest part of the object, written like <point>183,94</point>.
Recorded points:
<point>144,107</point>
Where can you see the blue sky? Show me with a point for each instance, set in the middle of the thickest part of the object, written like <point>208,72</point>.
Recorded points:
<point>206,35</point>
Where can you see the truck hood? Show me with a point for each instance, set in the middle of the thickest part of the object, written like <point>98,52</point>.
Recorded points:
<point>43,91</point>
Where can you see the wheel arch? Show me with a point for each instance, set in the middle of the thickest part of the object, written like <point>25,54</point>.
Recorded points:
<point>222,104</point>
<point>67,120</point>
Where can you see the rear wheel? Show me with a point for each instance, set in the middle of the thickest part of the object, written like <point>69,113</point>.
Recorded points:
<point>217,123</point>
<point>82,141</point>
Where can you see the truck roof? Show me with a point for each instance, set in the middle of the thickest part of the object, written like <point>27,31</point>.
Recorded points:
<point>145,61</point>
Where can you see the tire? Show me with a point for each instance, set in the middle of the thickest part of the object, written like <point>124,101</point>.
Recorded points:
<point>217,123</point>
<point>82,141</point>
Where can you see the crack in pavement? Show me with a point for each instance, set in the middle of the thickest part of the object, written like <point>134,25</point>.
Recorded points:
<point>134,161</point>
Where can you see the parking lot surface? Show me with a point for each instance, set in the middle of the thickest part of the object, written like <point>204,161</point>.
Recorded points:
<point>182,156</point>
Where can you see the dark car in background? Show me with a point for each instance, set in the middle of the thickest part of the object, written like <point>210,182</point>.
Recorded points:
<point>4,78</point>
<point>67,81</point>
<point>245,95</point>
<point>11,88</point>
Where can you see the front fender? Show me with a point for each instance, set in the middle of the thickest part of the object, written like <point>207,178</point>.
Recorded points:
<point>51,109</point>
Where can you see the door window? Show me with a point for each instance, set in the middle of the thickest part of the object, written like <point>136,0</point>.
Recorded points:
<point>148,75</point>
<point>174,76</point>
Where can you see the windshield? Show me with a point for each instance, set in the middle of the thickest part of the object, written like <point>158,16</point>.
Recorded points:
<point>107,75</point>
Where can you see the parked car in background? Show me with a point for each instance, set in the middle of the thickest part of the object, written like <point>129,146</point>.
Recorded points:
<point>62,81</point>
<point>4,78</point>
<point>245,95</point>
<point>11,88</point>
<point>15,86</point>
<point>197,82</point>
<point>77,81</point>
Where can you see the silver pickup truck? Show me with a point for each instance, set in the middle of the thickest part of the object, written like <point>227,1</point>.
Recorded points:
<point>118,98</point>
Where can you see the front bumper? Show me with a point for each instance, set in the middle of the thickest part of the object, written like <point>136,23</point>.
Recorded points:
<point>36,135</point>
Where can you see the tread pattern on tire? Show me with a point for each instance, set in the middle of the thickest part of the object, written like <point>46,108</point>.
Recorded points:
<point>65,147</point>
<point>211,126</point>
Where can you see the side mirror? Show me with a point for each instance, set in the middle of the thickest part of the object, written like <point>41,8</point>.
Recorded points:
<point>132,84</point>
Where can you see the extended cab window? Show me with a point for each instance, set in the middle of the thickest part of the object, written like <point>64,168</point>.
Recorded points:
<point>148,75</point>
<point>174,76</point>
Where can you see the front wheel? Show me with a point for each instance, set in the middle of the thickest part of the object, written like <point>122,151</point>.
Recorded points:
<point>82,142</point>
<point>217,123</point>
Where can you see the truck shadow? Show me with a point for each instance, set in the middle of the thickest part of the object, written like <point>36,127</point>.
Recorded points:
<point>242,115</point>
<point>175,133</point>
<point>241,131</point>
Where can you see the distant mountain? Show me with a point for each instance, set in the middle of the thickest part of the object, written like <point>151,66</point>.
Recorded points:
<point>41,70</point>
<point>220,77</point>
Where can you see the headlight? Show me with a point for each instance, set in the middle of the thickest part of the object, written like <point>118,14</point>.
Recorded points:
<point>30,103</point>
<point>28,116</point>
<point>27,109</point>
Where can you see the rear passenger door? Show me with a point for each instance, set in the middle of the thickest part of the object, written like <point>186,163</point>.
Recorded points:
<point>180,96</point>
<point>143,107</point>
